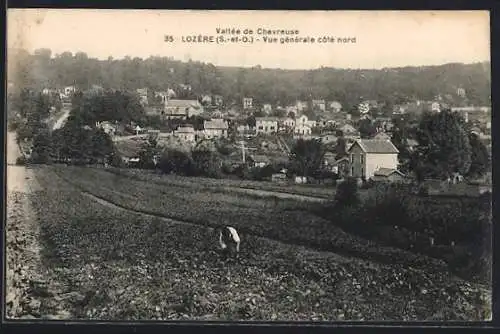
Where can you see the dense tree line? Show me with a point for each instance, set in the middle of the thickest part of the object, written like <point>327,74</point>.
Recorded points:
<point>390,86</point>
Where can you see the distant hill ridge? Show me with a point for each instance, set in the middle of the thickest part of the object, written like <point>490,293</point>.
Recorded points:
<point>347,86</point>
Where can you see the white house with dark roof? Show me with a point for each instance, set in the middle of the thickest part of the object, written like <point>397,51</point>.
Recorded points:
<point>367,156</point>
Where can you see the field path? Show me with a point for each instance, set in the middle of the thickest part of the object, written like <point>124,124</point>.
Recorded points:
<point>109,204</point>
<point>61,120</point>
<point>27,283</point>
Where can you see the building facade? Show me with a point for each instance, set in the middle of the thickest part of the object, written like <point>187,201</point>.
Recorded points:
<point>366,156</point>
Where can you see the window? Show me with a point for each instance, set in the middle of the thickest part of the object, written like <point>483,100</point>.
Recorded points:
<point>351,157</point>
<point>352,170</point>
<point>362,171</point>
<point>261,127</point>
<point>361,158</point>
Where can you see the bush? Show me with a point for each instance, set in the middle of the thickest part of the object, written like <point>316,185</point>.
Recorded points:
<point>176,161</point>
<point>347,193</point>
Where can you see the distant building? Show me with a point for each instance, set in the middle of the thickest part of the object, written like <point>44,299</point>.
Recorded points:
<point>261,160</point>
<point>388,175</point>
<point>461,92</point>
<point>267,108</point>
<point>186,133</point>
<point>302,129</point>
<point>289,123</point>
<point>266,125</point>
<point>319,104</point>
<point>182,109</point>
<point>436,107</point>
<point>366,156</point>
<point>247,103</point>
<point>69,90</point>
<point>304,121</point>
<point>215,128</point>
<point>334,106</point>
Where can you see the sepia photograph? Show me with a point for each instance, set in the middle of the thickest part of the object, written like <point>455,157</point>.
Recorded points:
<point>217,165</point>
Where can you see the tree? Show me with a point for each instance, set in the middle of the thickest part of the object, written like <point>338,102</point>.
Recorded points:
<point>400,140</point>
<point>443,145</point>
<point>306,156</point>
<point>340,148</point>
<point>206,163</point>
<point>347,193</point>
<point>480,157</point>
<point>175,161</point>
<point>41,147</point>
<point>148,153</point>
<point>366,128</point>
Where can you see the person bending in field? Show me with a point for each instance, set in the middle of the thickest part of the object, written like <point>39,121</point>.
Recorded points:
<point>229,240</point>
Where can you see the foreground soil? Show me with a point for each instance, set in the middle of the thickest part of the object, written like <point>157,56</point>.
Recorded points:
<point>113,264</point>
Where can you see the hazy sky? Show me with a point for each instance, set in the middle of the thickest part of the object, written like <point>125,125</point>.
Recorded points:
<point>383,38</point>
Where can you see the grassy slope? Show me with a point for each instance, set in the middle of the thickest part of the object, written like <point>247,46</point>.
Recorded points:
<point>284,220</point>
<point>129,267</point>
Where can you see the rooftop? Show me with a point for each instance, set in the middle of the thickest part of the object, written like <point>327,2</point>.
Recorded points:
<point>386,172</point>
<point>375,146</point>
<point>215,124</point>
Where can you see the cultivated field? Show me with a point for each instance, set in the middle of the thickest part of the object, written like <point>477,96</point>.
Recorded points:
<point>118,264</point>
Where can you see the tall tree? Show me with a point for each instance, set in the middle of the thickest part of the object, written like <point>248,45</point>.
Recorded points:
<point>480,157</point>
<point>306,157</point>
<point>443,145</point>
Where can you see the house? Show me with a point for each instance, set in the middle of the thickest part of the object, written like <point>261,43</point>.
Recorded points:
<point>334,106</point>
<point>261,160</point>
<point>329,160</point>
<point>303,120</point>
<point>348,130</point>
<point>289,123</point>
<point>388,175</point>
<point>186,133</point>
<point>182,109</point>
<point>266,125</point>
<point>368,155</point>
<point>302,129</point>
<point>69,90</point>
<point>247,103</point>
<point>215,128</point>
<point>319,104</point>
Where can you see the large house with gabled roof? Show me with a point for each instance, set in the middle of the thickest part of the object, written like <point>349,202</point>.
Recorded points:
<point>368,156</point>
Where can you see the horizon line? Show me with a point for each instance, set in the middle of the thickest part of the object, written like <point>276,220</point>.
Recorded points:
<point>53,56</point>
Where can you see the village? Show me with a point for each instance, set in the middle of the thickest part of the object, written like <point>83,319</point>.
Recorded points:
<point>262,134</point>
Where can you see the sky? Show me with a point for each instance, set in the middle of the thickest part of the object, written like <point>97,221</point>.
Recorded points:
<point>377,39</point>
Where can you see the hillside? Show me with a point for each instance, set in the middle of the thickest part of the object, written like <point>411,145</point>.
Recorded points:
<point>392,85</point>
